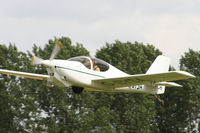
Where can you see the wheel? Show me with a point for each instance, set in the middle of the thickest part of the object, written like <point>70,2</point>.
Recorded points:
<point>77,90</point>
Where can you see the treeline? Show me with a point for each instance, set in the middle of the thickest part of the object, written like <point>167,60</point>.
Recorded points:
<point>26,105</point>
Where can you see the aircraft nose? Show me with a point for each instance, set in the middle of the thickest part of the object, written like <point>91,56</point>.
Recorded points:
<point>71,63</point>
<point>47,63</point>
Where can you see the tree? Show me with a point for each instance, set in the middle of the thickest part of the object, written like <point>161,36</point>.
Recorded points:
<point>132,112</point>
<point>180,113</point>
<point>27,105</point>
<point>65,111</point>
<point>16,102</point>
<point>190,62</point>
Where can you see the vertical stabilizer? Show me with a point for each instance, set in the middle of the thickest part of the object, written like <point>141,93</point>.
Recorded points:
<point>161,64</point>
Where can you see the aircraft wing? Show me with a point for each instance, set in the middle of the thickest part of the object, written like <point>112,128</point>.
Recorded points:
<point>25,74</point>
<point>141,79</point>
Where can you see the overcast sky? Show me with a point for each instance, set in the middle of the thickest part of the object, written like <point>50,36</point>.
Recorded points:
<point>172,26</point>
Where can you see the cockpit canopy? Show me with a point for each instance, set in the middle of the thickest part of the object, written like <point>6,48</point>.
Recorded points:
<point>90,62</point>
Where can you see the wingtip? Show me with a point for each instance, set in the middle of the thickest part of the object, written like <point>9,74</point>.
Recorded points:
<point>187,74</point>
<point>193,76</point>
<point>59,43</point>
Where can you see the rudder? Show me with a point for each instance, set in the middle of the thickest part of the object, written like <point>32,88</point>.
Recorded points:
<point>160,64</point>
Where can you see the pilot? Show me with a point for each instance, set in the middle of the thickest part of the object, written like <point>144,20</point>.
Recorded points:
<point>86,62</point>
<point>95,67</point>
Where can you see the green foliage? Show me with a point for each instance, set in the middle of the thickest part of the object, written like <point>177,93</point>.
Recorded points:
<point>133,112</point>
<point>66,52</point>
<point>16,106</point>
<point>191,62</point>
<point>131,58</point>
<point>26,105</point>
<point>180,113</point>
<point>65,110</point>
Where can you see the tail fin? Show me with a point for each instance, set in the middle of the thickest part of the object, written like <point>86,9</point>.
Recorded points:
<point>161,64</point>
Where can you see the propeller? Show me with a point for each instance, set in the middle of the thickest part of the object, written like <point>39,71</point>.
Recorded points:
<point>48,63</point>
<point>56,49</point>
<point>37,61</point>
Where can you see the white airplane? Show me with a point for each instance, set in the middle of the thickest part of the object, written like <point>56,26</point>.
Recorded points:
<point>79,74</point>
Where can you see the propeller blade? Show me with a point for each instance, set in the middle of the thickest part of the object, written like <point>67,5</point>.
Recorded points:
<point>36,60</point>
<point>56,49</point>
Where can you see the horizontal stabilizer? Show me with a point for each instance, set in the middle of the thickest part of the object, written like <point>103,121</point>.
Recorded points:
<point>168,84</point>
<point>25,74</point>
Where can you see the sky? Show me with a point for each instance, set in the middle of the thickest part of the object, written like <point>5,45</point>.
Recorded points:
<point>173,26</point>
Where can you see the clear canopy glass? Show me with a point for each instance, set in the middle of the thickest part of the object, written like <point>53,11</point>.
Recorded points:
<point>90,62</point>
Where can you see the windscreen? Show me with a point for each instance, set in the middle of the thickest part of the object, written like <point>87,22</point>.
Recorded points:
<point>84,60</point>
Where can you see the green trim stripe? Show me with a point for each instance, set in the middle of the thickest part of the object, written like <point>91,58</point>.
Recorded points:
<point>80,71</point>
